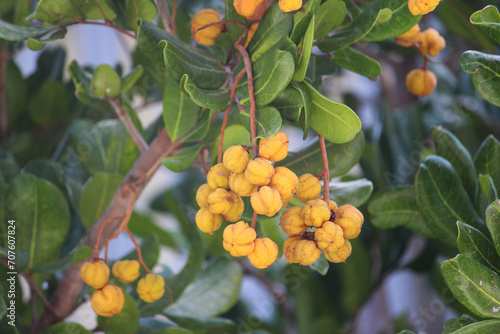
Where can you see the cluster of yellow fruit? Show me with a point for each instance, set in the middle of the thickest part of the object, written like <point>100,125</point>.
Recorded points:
<point>422,7</point>
<point>420,81</point>
<point>250,9</point>
<point>108,299</point>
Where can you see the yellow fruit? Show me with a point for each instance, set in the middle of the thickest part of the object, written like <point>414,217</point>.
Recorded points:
<point>207,222</point>
<point>264,254</point>
<point>291,223</point>
<point>329,235</point>
<point>421,82</point>
<point>259,172</point>
<point>239,239</point>
<point>236,210</point>
<point>151,288</point>
<point>208,35</point>
<point>274,148</point>
<point>218,176</point>
<point>286,200</point>
<point>305,252</point>
<point>409,37</point>
<point>285,181</point>
<point>266,201</point>
<point>108,301</point>
<point>220,201</point>
<point>126,271</point>
<point>308,188</point>
<point>95,273</point>
<point>431,42</point>
<point>315,213</point>
<point>236,159</point>
<point>290,5</point>
<point>332,206</point>
<point>202,195</point>
<point>251,32</point>
<point>350,219</point>
<point>338,255</point>
<point>289,246</point>
<point>240,185</point>
<point>251,9</point>
<point>422,7</point>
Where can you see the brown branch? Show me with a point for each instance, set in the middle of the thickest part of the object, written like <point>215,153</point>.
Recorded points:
<point>254,219</point>
<point>174,15</point>
<point>34,289</point>
<point>3,102</point>
<point>326,170</point>
<point>125,118</point>
<point>106,24</point>
<point>65,296</point>
<point>165,15</point>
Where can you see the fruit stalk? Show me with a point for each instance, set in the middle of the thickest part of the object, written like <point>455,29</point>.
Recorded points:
<point>326,170</point>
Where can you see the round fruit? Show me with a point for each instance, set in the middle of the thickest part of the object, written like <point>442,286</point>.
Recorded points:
<point>239,239</point>
<point>315,213</point>
<point>126,271</point>
<point>285,181</point>
<point>338,255</point>
<point>308,188</point>
<point>305,252</point>
<point>220,201</point>
<point>409,37</point>
<point>291,223</point>
<point>289,246</point>
<point>290,5</point>
<point>218,176</point>
<point>151,288</point>
<point>108,301</point>
<point>421,82</point>
<point>264,254</point>
<point>240,185</point>
<point>95,273</point>
<point>431,42</point>
<point>236,210</point>
<point>422,7</point>
<point>251,9</point>
<point>350,219</point>
<point>208,222</point>
<point>274,148</point>
<point>236,159</point>
<point>266,201</point>
<point>202,195</point>
<point>329,235</point>
<point>207,35</point>
<point>259,172</point>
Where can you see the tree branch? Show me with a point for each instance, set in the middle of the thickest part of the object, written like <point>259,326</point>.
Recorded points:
<point>63,300</point>
<point>165,15</point>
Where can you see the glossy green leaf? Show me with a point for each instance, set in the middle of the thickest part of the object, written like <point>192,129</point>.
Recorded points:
<point>271,75</point>
<point>488,192</point>
<point>485,70</point>
<point>334,121</point>
<point>301,22</point>
<point>183,160</point>
<point>16,93</point>
<point>487,160</point>
<point>321,265</point>
<point>341,157</point>
<point>493,223</point>
<point>307,100</point>
<point>482,327</point>
<point>290,104</point>
<point>488,20</point>
<point>450,148</point>
<point>127,321</point>
<point>398,207</point>
<point>131,79</point>
<point>39,44</point>
<point>273,27</point>
<point>211,99</point>
<point>97,195</point>
<point>220,325</point>
<point>143,226</point>
<point>57,12</point>
<point>202,127</point>
<point>13,32</point>
<point>355,192</point>
<point>234,30</point>
<point>267,121</point>
<point>49,103</point>
<point>214,292</point>
<point>357,62</point>
<point>66,328</point>
<point>473,243</point>
<point>305,53</point>
<point>105,82</point>
<point>179,112</point>
<point>42,218</point>
<point>454,324</point>
<point>137,9</point>
<point>234,135</point>
<point>442,199</point>
<point>473,285</point>
<point>79,255</point>
<point>330,14</point>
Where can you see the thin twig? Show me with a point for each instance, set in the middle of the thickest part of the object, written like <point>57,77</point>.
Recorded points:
<point>303,160</point>
<point>34,288</point>
<point>3,102</point>
<point>164,14</point>
<point>106,24</point>
<point>125,118</point>
<point>326,170</point>
<point>99,235</point>
<point>174,15</point>
<point>254,219</point>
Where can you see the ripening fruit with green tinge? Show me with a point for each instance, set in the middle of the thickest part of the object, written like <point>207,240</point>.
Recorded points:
<point>308,188</point>
<point>208,222</point>
<point>264,254</point>
<point>218,177</point>
<point>236,159</point>
<point>291,222</point>
<point>266,201</point>
<point>239,239</point>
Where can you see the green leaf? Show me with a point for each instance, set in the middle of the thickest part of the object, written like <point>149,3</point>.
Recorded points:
<point>487,160</point>
<point>182,161</point>
<point>300,24</point>
<point>42,218</point>
<point>473,243</point>
<point>305,54</point>
<point>357,62</point>
<point>442,199</point>
<point>180,114</point>
<point>58,12</point>
<point>105,82</point>
<point>341,157</point>
<point>331,14</point>
<point>137,9</point>
<point>214,292</point>
<point>13,32</point>
<point>456,323</point>
<point>143,226</point>
<point>234,135</point>
<point>474,285</point>
<point>50,103</point>
<point>221,325</point>
<point>354,192</point>
<point>482,327</point>
<point>334,121</point>
<point>66,328</point>
<point>273,27</point>
<point>485,70</point>
<point>492,221</point>
<point>398,207</point>
<point>211,99</point>
<point>16,93</point>
<point>289,104</point>
<point>307,100</point>
<point>130,79</point>
<point>321,266</point>
<point>127,321</point>
<point>39,44</point>
<point>488,20</point>
<point>234,30</point>
<point>97,195</point>
<point>76,256</point>
<point>450,148</point>
<point>271,75</point>
<point>201,129</point>
<point>267,121</point>
<point>488,192</point>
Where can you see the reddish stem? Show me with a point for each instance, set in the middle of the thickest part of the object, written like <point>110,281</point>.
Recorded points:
<point>174,14</point>
<point>99,234</point>
<point>326,170</point>
<point>254,219</point>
